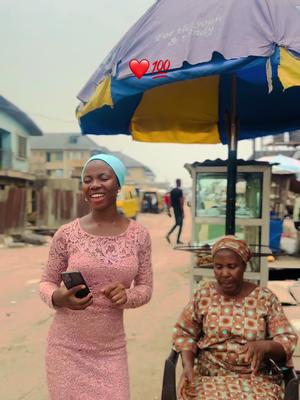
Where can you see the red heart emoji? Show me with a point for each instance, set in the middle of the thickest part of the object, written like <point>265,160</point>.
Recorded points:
<point>139,68</point>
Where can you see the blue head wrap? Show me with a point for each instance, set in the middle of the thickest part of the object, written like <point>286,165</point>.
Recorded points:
<point>117,166</point>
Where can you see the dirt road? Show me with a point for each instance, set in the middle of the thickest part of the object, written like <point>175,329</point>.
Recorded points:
<point>25,320</point>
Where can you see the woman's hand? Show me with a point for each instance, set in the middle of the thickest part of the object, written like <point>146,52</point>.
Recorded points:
<point>115,292</point>
<point>63,297</point>
<point>186,382</point>
<point>256,353</point>
<point>188,373</point>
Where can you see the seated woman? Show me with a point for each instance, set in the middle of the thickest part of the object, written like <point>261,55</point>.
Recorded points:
<point>235,327</point>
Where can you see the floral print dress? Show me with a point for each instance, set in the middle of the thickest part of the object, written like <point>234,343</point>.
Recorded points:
<point>219,326</point>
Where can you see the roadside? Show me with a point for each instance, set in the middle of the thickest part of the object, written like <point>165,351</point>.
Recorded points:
<point>25,319</point>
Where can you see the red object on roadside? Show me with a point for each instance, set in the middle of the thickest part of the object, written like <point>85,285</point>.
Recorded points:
<point>167,200</point>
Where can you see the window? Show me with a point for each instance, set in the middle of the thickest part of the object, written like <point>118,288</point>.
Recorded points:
<point>76,155</point>
<point>59,173</point>
<point>22,142</point>
<point>73,139</point>
<point>54,156</point>
<point>57,156</point>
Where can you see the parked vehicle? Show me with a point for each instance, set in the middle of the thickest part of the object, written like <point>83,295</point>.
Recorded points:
<point>152,200</point>
<point>128,201</point>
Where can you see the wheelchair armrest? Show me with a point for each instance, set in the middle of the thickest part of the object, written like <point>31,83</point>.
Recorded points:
<point>291,382</point>
<point>290,378</point>
<point>173,357</point>
<point>169,379</point>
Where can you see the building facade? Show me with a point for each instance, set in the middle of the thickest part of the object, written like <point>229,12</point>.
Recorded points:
<point>16,181</point>
<point>63,156</point>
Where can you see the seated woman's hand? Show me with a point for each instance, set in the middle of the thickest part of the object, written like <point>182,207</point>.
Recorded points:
<point>115,292</point>
<point>256,352</point>
<point>63,297</point>
<point>186,383</point>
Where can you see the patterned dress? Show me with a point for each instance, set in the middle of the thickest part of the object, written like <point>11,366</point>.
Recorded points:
<point>86,355</point>
<point>219,327</point>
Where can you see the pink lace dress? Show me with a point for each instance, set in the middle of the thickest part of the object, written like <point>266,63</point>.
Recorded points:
<point>86,355</point>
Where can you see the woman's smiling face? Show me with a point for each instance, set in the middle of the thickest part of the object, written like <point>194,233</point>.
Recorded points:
<point>100,185</point>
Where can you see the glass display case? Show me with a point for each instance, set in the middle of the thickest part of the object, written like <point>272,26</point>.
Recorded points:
<point>211,195</point>
<point>252,212</point>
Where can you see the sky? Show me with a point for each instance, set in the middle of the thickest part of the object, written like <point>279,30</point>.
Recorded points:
<point>49,50</point>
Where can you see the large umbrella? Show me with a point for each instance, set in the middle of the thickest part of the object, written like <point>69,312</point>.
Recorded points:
<point>209,62</point>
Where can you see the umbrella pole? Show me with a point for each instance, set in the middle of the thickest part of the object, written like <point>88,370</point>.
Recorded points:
<point>232,161</point>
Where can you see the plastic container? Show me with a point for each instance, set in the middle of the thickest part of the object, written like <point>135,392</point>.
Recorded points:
<point>275,234</point>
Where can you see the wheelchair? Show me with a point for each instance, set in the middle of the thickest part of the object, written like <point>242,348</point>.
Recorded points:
<point>290,377</point>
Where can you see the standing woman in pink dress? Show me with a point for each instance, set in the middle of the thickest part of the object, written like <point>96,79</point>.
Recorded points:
<point>86,356</point>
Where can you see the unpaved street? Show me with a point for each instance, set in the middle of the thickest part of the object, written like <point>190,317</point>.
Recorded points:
<point>24,319</point>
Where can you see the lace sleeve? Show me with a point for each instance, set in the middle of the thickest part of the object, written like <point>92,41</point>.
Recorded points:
<point>141,291</point>
<point>57,263</point>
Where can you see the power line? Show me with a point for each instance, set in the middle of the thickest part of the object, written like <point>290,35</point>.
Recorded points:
<point>3,108</point>
<point>51,118</point>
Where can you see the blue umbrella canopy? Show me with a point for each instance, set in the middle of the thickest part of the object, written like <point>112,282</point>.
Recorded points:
<point>192,49</point>
<point>201,72</point>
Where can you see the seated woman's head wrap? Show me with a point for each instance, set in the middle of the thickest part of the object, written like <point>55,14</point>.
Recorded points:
<point>238,246</point>
<point>116,165</point>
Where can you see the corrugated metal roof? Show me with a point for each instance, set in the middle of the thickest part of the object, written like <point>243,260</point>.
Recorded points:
<point>221,163</point>
<point>21,117</point>
<point>65,141</point>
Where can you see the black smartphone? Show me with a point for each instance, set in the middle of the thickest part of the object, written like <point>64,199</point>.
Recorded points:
<point>74,278</point>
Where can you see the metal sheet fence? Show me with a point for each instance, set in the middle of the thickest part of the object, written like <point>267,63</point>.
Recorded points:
<point>12,209</point>
<point>56,206</point>
<point>53,207</point>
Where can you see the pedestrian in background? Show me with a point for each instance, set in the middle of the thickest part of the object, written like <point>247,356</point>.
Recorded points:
<point>177,201</point>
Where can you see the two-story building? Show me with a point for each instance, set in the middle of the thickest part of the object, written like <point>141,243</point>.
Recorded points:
<point>16,127</point>
<point>138,174</point>
<point>63,156</point>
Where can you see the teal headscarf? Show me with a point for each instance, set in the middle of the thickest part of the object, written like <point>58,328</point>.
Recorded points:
<point>117,166</point>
